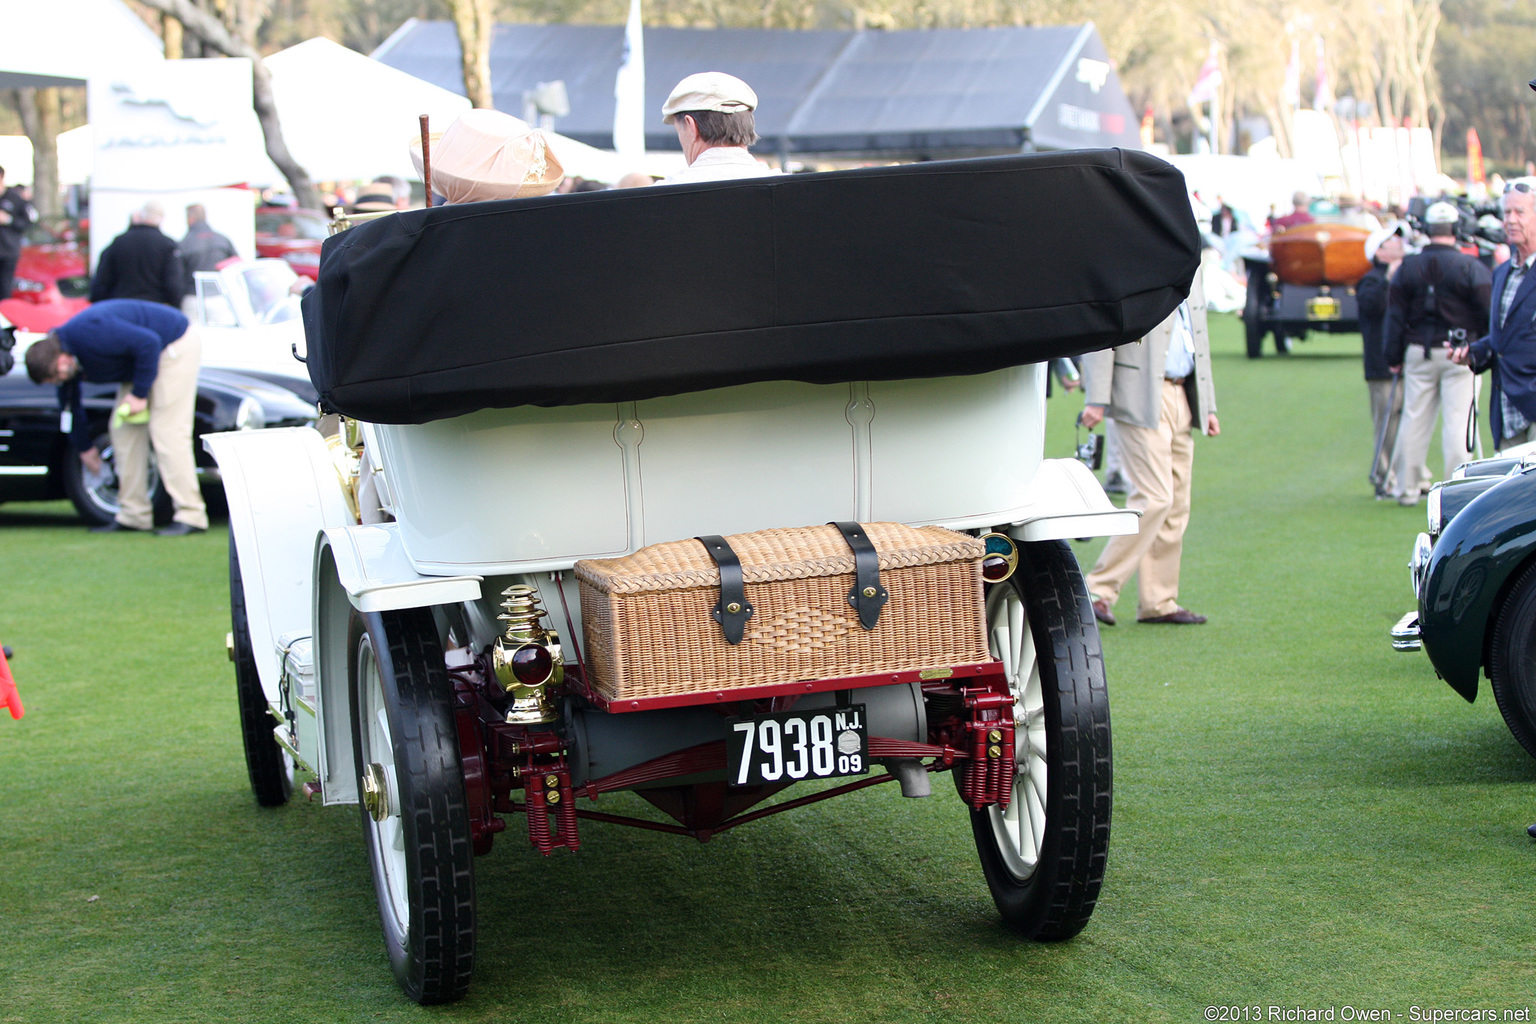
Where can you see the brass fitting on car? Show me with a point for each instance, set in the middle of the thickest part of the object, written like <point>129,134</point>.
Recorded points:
<point>526,658</point>
<point>346,451</point>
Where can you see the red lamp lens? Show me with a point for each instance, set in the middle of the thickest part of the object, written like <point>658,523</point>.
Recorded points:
<point>994,568</point>
<point>532,664</point>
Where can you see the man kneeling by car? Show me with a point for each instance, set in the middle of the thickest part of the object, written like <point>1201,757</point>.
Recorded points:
<point>152,352</point>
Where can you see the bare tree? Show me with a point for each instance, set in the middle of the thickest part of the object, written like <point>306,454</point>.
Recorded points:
<point>40,119</point>
<point>212,33</point>
<point>475,23</point>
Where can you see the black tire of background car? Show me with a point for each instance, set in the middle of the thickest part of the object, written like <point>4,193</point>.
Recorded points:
<point>1512,660</point>
<point>1254,332</point>
<point>269,766</point>
<point>99,507</point>
<point>433,956</point>
<point>1058,898</point>
<point>1253,312</point>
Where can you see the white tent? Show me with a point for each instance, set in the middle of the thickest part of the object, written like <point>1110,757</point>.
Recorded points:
<point>347,117</point>
<point>65,42</point>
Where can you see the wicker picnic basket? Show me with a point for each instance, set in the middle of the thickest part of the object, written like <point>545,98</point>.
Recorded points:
<point>649,631</point>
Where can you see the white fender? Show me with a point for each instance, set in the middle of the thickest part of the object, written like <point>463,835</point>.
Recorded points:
<point>1070,503</point>
<point>282,490</point>
<point>371,564</point>
<point>366,568</point>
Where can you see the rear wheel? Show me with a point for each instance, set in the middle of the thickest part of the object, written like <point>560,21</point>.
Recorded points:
<point>1255,332</point>
<point>1512,660</point>
<point>415,817</point>
<point>268,764</point>
<point>1253,311</point>
<point>1044,856</point>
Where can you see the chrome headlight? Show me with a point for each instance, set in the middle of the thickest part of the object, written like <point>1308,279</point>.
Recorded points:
<point>1432,504</point>
<point>1418,562</point>
<point>250,415</point>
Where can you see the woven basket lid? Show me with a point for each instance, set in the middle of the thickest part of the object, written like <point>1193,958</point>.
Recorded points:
<point>767,556</point>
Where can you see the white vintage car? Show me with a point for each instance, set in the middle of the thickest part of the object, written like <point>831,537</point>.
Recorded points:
<point>697,492</point>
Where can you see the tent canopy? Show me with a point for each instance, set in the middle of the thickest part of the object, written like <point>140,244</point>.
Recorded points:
<point>65,42</point>
<point>942,92</point>
<point>347,117</point>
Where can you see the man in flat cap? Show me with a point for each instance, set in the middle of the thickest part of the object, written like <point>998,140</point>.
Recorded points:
<point>712,114</point>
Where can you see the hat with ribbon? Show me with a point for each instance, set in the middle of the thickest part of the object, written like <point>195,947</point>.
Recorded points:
<point>486,154</point>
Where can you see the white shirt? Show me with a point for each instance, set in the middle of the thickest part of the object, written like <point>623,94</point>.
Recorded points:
<point>720,163</point>
<point>1181,346</point>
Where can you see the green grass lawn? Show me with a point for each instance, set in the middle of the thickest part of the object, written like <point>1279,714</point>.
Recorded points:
<point>1303,818</point>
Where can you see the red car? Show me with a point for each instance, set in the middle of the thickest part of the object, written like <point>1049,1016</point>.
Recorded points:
<point>292,235</point>
<point>52,283</point>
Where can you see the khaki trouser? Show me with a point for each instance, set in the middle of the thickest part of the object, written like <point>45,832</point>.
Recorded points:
<point>1386,414</point>
<point>172,401</point>
<point>1432,385</point>
<point>1158,464</point>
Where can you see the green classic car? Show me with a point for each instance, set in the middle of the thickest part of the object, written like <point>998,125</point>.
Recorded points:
<point>1474,574</point>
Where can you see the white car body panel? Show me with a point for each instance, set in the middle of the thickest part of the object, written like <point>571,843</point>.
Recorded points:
<point>505,491</point>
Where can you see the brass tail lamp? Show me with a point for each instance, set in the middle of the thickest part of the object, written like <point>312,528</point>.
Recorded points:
<point>526,658</point>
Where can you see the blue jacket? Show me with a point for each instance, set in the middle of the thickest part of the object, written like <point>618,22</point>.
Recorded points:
<point>1511,349</point>
<point>117,342</point>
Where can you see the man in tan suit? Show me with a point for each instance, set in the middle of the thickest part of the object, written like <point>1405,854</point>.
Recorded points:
<point>1158,391</point>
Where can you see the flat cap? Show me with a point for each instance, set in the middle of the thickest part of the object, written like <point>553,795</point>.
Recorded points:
<point>709,90</point>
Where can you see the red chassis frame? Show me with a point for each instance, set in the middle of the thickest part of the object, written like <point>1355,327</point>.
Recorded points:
<point>970,730</point>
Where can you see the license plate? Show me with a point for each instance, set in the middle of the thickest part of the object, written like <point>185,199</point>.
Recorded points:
<point>821,743</point>
<point>1324,307</point>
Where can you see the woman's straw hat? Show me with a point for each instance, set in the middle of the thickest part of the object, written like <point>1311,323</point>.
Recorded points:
<point>486,154</point>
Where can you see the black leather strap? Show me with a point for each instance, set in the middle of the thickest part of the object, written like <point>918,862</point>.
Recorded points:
<point>867,595</point>
<point>733,609</point>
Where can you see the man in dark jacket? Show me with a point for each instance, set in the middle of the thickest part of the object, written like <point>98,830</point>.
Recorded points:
<point>1436,301</point>
<point>152,352</point>
<point>1385,249</point>
<point>141,263</point>
<point>1509,348</point>
<point>16,215</point>
<point>203,248</point>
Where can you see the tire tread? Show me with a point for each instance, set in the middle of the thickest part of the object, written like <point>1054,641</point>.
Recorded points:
<point>1511,652</point>
<point>1056,903</point>
<point>435,961</point>
<point>265,762</point>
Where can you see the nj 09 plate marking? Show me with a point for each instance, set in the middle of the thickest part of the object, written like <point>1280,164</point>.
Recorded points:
<point>818,743</point>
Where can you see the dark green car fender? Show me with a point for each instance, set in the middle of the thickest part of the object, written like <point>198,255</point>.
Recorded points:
<point>1470,570</point>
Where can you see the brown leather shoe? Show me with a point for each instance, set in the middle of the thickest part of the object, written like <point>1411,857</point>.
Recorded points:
<point>1177,617</point>
<point>1102,613</point>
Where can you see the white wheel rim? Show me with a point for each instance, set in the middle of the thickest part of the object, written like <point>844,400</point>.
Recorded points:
<point>378,748</point>
<point>1019,832</point>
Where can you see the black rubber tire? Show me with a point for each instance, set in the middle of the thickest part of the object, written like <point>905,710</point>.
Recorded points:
<point>426,887</point>
<point>1512,660</point>
<point>1255,336</point>
<point>269,765</point>
<point>1253,313</point>
<point>1054,900</point>
<point>99,506</point>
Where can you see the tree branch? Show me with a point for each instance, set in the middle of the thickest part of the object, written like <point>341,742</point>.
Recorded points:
<point>211,32</point>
